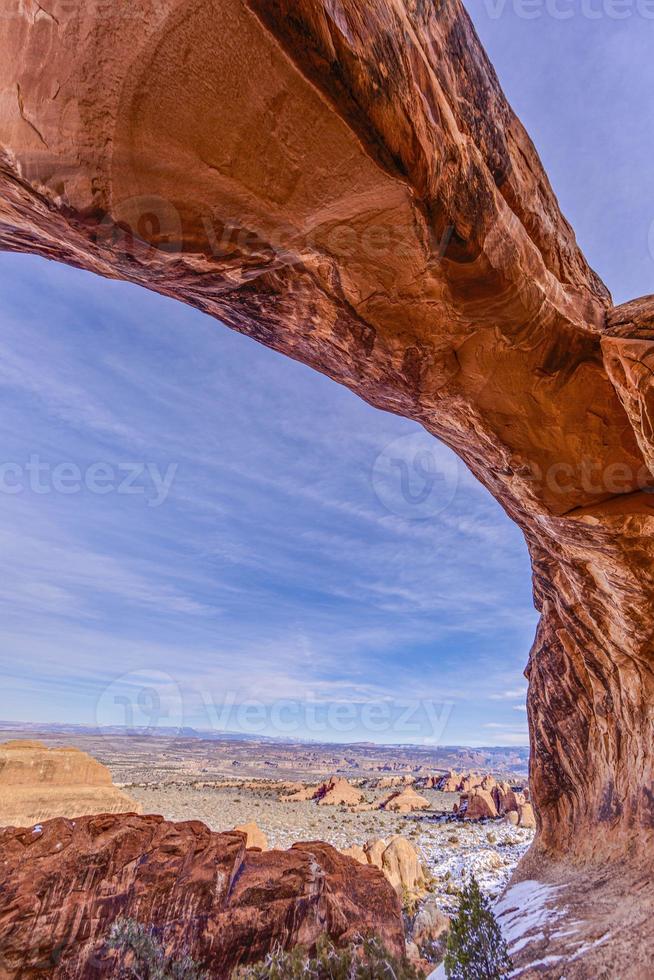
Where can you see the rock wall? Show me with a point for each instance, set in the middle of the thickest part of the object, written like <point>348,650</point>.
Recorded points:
<point>345,182</point>
<point>207,896</point>
<point>38,783</point>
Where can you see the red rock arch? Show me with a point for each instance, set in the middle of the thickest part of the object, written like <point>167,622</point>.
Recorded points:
<point>344,181</point>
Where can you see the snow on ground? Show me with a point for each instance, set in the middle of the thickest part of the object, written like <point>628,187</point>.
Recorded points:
<point>452,851</point>
<point>523,912</point>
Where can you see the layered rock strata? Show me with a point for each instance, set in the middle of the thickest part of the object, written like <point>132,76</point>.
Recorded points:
<point>38,783</point>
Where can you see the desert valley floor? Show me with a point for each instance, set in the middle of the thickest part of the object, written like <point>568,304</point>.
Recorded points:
<point>230,782</point>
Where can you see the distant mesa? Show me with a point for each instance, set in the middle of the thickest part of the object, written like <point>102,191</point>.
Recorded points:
<point>38,783</point>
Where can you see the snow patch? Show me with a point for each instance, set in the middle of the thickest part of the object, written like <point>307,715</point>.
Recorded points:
<point>588,946</point>
<point>546,961</point>
<point>524,909</point>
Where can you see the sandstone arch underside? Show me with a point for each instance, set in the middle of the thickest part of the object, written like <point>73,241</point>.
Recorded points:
<point>344,181</point>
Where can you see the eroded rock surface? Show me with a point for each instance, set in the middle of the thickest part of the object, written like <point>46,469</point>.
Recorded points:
<point>397,858</point>
<point>38,783</point>
<point>346,183</point>
<point>64,884</point>
<point>338,792</point>
<point>405,801</point>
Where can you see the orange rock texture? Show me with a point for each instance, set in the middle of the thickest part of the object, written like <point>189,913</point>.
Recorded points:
<point>345,182</point>
<point>38,783</point>
<point>64,884</point>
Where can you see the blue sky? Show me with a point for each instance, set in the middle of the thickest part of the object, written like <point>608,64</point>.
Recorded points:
<point>218,536</point>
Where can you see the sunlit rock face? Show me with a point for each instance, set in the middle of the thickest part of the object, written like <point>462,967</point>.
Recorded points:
<point>208,897</point>
<point>345,182</point>
<point>38,783</point>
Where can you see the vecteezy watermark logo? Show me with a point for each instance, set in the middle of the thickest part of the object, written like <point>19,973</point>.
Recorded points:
<point>415,476</point>
<point>140,703</point>
<point>567,9</point>
<point>396,719</point>
<point>100,478</point>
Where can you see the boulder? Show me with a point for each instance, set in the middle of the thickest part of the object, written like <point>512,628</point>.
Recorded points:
<point>356,852</point>
<point>208,897</point>
<point>405,802</point>
<point>399,861</point>
<point>374,850</point>
<point>402,867</point>
<point>478,804</point>
<point>38,783</point>
<point>254,836</point>
<point>526,817</point>
<point>449,783</point>
<point>430,924</point>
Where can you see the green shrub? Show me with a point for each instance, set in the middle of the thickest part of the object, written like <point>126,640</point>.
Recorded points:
<point>145,955</point>
<point>364,959</point>
<point>475,945</point>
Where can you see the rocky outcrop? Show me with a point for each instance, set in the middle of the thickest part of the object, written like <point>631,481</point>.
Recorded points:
<point>526,816</point>
<point>206,894</point>
<point>478,804</point>
<point>338,792</point>
<point>367,202</point>
<point>38,783</point>
<point>489,799</point>
<point>449,783</point>
<point>405,802</point>
<point>301,795</point>
<point>505,798</point>
<point>398,859</point>
<point>356,852</point>
<point>430,924</point>
<point>401,865</point>
<point>388,782</point>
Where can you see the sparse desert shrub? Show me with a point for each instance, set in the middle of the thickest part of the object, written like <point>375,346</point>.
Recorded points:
<point>475,945</point>
<point>491,838</point>
<point>410,902</point>
<point>145,957</point>
<point>364,959</point>
<point>431,883</point>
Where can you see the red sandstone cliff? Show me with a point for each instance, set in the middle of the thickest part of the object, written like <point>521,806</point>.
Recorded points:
<point>63,885</point>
